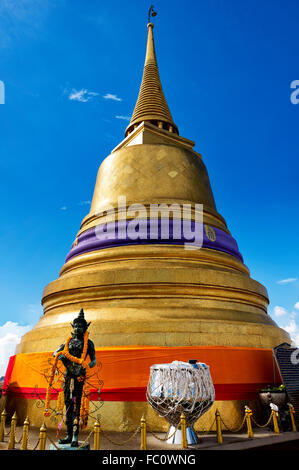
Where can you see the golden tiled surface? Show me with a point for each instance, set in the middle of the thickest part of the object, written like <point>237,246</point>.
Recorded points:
<point>152,174</point>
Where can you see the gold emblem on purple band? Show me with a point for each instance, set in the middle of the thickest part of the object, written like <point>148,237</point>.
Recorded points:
<point>210,233</point>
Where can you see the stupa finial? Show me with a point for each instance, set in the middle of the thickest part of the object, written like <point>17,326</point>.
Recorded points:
<point>151,105</point>
<point>151,12</point>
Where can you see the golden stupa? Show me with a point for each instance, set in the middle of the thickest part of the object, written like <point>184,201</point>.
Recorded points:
<point>151,301</point>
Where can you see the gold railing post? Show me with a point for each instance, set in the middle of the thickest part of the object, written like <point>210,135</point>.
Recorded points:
<point>248,413</point>
<point>143,434</point>
<point>42,437</point>
<point>218,427</point>
<point>2,425</point>
<point>11,442</point>
<point>97,430</point>
<point>274,413</point>
<point>25,434</point>
<point>183,430</point>
<point>292,415</point>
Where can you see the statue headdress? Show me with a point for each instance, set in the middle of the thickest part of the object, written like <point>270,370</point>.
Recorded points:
<point>80,319</point>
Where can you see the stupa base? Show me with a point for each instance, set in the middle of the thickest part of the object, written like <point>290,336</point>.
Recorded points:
<point>126,416</point>
<point>238,373</point>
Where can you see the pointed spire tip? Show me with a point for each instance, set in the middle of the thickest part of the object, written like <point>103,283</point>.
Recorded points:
<point>151,104</point>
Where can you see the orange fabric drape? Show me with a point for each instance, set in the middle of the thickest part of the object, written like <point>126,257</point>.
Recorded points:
<point>124,367</point>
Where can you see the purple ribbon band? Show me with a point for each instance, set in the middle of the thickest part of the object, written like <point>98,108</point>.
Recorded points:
<point>153,231</point>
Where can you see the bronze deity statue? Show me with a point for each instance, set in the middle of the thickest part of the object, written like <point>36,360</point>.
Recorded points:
<point>74,353</point>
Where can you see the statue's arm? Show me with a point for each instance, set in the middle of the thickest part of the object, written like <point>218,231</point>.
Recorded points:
<point>61,348</point>
<point>92,354</point>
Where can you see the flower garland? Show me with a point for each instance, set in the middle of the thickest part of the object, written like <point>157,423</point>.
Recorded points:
<point>47,412</point>
<point>78,360</point>
<point>84,409</point>
<point>60,403</point>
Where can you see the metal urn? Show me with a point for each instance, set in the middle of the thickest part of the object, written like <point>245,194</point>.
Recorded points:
<point>180,387</point>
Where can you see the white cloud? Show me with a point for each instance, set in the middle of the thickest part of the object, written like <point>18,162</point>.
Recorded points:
<point>10,336</point>
<point>293,329</point>
<point>82,95</point>
<point>287,281</point>
<point>110,96</point>
<point>126,118</point>
<point>296,306</point>
<point>84,203</point>
<point>279,311</point>
<point>63,208</point>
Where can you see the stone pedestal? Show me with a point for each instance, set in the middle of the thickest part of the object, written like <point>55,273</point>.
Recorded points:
<point>69,447</point>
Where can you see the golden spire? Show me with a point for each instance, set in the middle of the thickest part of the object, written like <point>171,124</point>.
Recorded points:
<point>151,104</point>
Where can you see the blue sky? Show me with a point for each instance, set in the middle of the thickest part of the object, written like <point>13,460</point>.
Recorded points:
<point>72,71</point>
